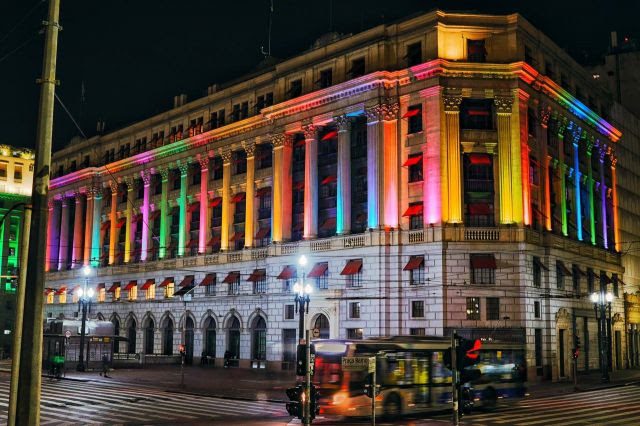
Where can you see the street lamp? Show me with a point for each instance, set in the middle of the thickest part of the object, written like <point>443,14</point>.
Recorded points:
<point>602,307</point>
<point>85,295</point>
<point>302,291</point>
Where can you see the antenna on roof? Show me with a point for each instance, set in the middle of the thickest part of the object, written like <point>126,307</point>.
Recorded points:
<point>267,53</point>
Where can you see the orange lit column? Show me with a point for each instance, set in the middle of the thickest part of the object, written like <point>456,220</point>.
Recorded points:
<point>53,235</point>
<point>614,195</point>
<point>78,237</point>
<point>64,234</point>
<point>545,159</point>
<point>431,201</point>
<point>310,182</point>
<point>282,177</point>
<point>129,216</point>
<point>450,154</point>
<point>226,199</point>
<point>204,203</point>
<point>523,109</point>
<point>146,199</point>
<point>114,219</point>
<point>249,218</point>
<point>390,165</point>
<point>88,226</point>
<point>343,223</point>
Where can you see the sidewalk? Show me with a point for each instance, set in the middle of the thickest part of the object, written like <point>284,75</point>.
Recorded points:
<point>586,382</point>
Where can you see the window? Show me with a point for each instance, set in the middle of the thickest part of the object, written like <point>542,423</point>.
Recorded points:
<point>217,168</point>
<point>417,331</point>
<point>415,168</point>
<point>417,309</point>
<point>536,309</point>
<point>17,172</point>
<point>326,77</point>
<point>476,51</point>
<point>133,293</point>
<point>295,88</point>
<point>616,287</point>
<point>354,333</point>
<point>259,279</point>
<point>357,68</point>
<point>235,113</point>
<point>414,213</point>
<point>102,294</point>
<point>575,277</point>
<point>538,350</point>
<point>321,273</point>
<point>244,110</point>
<point>240,162</point>
<point>150,292</point>
<point>483,269</point>
<point>414,117</point>
<point>354,310</point>
<point>3,171</point>
<point>414,54</point>
<point>415,266</point>
<point>493,308</point>
<point>537,272</point>
<point>561,273</point>
<point>590,280</point>
<point>211,283</point>
<point>353,272</point>
<point>289,312</point>
<point>476,114</point>
<point>473,308</point>
<point>116,292</point>
<point>233,279</point>
<point>169,289</point>
<point>548,67</point>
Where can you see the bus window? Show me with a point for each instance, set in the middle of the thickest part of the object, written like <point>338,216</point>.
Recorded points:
<point>441,374</point>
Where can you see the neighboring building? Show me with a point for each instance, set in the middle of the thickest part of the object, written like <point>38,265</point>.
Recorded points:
<point>441,172</point>
<point>16,179</point>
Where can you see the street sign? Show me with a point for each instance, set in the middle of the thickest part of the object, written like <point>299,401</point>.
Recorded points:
<point>358,363</point>
<point>316,332</point>
<point>67,334</point>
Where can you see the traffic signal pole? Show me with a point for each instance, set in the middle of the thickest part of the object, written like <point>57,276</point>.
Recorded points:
<point>454,377</point>
<point>307,387</point>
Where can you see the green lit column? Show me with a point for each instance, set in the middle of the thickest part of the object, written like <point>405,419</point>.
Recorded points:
<point>590,186</point>
<point>164,174</point>
<point>563,177</point>
<point>184,173</point>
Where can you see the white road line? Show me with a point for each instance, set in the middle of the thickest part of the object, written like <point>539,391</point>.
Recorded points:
<point>606,417</point>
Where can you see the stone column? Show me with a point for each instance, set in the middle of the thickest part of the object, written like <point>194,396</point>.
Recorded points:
<point>390,165</point>
<point>88,231</point>
<point>374,166</point>
<point>508,161</point>
<point>113,241</point>
<point>53,235</point>
<point>249,228</point>
<point>281,205</point>
<point>226,198</point>
<point>451,171</point>
<point>146,200</point>
<point>97,216</point>
<point>431,201</point>
<point>310,181</point>
<point>78,236</point>
<point>523,110</point>
<point>562,166</point>
<point>343,204</point>
<point>614,200</point>
<point>545,160</point>
<point>204,203</point>
<point>603,195</point>
<point>577,177</point>
<point>129,216</point>
<point>164,207</point>
<point>64,234</point>
<point>184,183</point>
<point>590,185</point>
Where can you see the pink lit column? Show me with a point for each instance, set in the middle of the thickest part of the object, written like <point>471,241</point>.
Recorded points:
<point>311,182</point>
<point>78,237</point>
<point>64,235</point>
<point>204,203</point>
<point>53,236</point>
<point>146,196</point>
<point>431,201</point>
<point>114,220</point>
<point>88,226</point>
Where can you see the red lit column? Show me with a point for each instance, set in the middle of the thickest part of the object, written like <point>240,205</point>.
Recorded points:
<point>311,182</point>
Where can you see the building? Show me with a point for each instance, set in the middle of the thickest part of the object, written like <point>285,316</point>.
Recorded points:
<point>16,179</point>
<point>441,172</point>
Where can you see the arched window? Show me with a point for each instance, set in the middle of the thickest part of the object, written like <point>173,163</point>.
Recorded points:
<point>188,340</point>
<point>210,337</point>
<point>233,345</point>
<point>167,337</point>
<point>116,332</point>
<point>322,324</point>
<point>259,339</point>
<point>131,335</point>
<point>149,334</point>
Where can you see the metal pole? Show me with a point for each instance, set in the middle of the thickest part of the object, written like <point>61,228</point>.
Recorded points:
<point>454,377</point>
<point>83,303</point>
<point>29,381</point>
<point>17,330</point>
<point>373,400</point>
<point>307,387</point>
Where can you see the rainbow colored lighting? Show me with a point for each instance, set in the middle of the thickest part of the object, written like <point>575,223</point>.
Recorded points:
<point>576,181</point>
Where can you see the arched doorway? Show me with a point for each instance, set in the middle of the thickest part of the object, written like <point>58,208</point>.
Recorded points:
<point>259,344</point>
<point>149,335</point>
<point>210,338</point>
<point>322,324</point>
<point>116,332</point>
<point>233,342</point>
<point>188,341</point>
<point>131,335</point>
<point>167,337</point>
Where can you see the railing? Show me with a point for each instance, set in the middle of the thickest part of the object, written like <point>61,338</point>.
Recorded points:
<point>481,234</point>
<point>354,241</point>
<point>416,236</point>
<point>258,253</point>
<point>321,245</point>
<point>212,259</point>
<point>286,249</point>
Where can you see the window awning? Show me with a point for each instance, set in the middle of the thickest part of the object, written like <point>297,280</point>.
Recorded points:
<point>318,270</point>
<point>194,207</point>
<point>329,223</point>
<point>155,214</point>
<point>214,241</point>
<point>257,275</point>
<point>560,264</point>
<point>184,290</point>
<point>480,159</point>
<point>166,282</point>
<point>479,208</point>
<point>192,243</point>
<point>61,290</point>
<point>215,202</point>
<point>48,291</point>
<point>263,233</point>
<point>113,288</point>
<point>121,222</point>
<point>147,284</point>
<point>412,161</point>
<point>487,261</point>
<point>105,225</point>
<point>240,196</point>
<point>329,179</point>
<point>539,262</point>
<point>237,236</point>
<point>411,112</point>
<point>414,210</point>
<point>231,278</point>
<point>187,281</point>
<point>330,135</point>
<point>131,285</point>
<point>288,272</point>
<point>209,279</point>
<point>414,263</point>
<point>352,267</point>
<point>579,271</point>
<point>261,192</point>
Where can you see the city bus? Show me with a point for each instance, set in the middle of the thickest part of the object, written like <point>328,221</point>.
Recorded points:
<point>412,375</point>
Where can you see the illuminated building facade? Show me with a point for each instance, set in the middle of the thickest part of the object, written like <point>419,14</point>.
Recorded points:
<point>16,179</point>
<point>442,172</point>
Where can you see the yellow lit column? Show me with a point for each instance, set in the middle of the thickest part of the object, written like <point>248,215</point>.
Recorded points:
<point>343,204</point>
<point>128,215</point>
<point>249,220</point>
<point>509,161</point>
<point>88,226</point>
<point>204,229</point>
<point>450,165</point>
<point>310,182</point>
<point>164,206</point>
<point>226,199</point>
<point>114,219</point>
<point>78,236</point>
<point>614,196</point>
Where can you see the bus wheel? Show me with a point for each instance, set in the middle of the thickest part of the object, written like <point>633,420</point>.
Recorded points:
<point>489,399</point>
<point>393,406</point>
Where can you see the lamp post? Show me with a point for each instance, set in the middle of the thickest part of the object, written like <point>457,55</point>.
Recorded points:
<point>84,300</point>
<point>302,299</point>
<point>602,307</point>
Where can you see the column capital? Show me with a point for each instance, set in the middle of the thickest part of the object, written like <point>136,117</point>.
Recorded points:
<point>343,123</point>
<point>382,112</point>
<point>451,103</point>
<point>77,195</point>
<point>51,203</point>
<point>203,159</point>
<point>310,131</point>
<point>129,181</point>
<point>163,172</point>
<point>504,104</point>
<point>183,166</point>
<point>561,125</point>
<point>590,143</point>
<point>146,177</point>
<point>249,147</point>
<point>113,185</point>
<point>602,151</point>
<point>544,113</point>
<point>281,139</point>
<point>226,154</point>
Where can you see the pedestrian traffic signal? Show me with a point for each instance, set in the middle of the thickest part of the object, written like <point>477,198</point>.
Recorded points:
<point>301,360</point>
<point>576,340</point>
<point>466,353</point>
<point>295,405</point>
<point>182,350</point>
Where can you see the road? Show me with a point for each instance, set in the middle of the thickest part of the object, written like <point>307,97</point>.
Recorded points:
<point>97,402</point>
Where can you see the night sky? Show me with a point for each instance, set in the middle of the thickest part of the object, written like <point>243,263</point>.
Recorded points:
<point>133,56</point>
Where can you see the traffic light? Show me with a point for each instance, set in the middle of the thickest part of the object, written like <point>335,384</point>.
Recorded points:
<point>314,402</point>
<point>368,388</point>
<point>466,354</point>
<point>182,350</point>
<point>294,406</point>
<point>301,360</point>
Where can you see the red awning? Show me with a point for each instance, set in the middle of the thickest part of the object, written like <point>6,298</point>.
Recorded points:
<point>479,208</point>
<point>263,233</point>
<point>538,262</point>
<point>414,263</point>
<point>187,281</point>
<point>214,241</point>
<point>166,282</point>
<point>130,285</point>
<point>289,272</point>
<point>329,179</point>
<point>61,290</point>
<point>105,225</point>
<point>352,267</point>
<point>411,112</point>
<point>318,270</point>
<point>263,191</point>
<point>412,161</point>
<point>329,223</point>
<point>480,159</point>
<point>483,262</point>
<point>147,284</point>
<point>240,196</point>
<point>194,207</point>
<point>298,185</point>
<point>73,290</point>
<point>113,288</point>
<point>413,210</point>
<point>48,291</point>
<point>215,202</point>
<point>192,243</point>
<point>154,214</point>
<point>237,236</point>
<point>208,280</point>
<point>332,134</point>
<point>231,278</point>
<point>100,286</point>
<point>257,275</point>
<point>121,222</point>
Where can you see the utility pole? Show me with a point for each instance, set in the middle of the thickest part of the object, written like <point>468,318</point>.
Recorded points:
<point>307,383</point>
<point>30,369</point>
